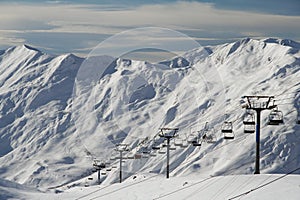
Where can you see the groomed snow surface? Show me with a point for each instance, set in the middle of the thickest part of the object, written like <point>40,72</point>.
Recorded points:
<point>59,113</point>
<point>196,186</point>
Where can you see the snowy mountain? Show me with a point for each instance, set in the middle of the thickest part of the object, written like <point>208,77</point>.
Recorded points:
<point>58,113</point>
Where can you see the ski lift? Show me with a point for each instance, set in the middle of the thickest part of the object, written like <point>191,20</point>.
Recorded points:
<point>192,139</point>
<point>103,173</point>
<point>275,117</point>
<point>145,156</point>
<point>108,169</point>
<point>152,154</point>
<point>184,144</point>
<point>130,157</point>
<point>172,148</point>
<point>208,135</point>
<point>197,143</point>
<point>177,142</point>
<point>249,123</point>
<point>90,178</point>
<point>162,151</point>
<point>94,170</point>
<point>156,146</point>
<point>112,158</point>
<point>227,130</point>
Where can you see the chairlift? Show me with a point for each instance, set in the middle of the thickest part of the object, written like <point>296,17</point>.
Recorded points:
<point>155,147</point>
<point>94,170</point>
<point>177,142</point>
<point>208,135</point>
<point>209,138</point>
<point>153,154</point>
<point>130,156</point>
<point>162,151</point>
<point>172,148</point>
<point>90,178</point>
<point>227,130</point>
<point>112,158</point>
<point>145,156</point>
<point>249,123</point>
<point>184,145</point>
<point>145,152</point>
<point>249,129</point>
<point>103,173</point>
<point>192,139</point>
<point>197,143</point>
<point>275,117</point>
<point>108,169</point>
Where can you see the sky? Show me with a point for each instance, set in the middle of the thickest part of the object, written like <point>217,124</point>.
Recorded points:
<point>74,26</point>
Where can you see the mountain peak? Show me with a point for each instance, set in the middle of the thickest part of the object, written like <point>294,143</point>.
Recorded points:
<point>283,42</point>
<point>26,46</point>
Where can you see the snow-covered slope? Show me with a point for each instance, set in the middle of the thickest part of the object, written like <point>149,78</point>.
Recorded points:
<point>50,133</point>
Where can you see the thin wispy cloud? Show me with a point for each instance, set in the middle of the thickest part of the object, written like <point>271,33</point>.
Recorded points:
<point>87,24</point>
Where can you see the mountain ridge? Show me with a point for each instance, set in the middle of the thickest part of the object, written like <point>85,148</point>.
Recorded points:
<point>42,130</point>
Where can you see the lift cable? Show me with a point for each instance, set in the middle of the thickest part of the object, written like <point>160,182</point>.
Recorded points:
<point>261,186</point>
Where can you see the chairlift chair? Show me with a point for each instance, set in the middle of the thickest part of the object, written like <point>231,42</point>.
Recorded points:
<point>249,123</point>
<point>184,144</point>
<point>197,143</point>
<point>209,136</point>
<point>103,173</point>
<point>145,156</point>
<point>108,169</point>
<point>275,117</point>
<point>227,130</point>
<point>298,120</point>
<point>112,158</point>
<point>90,178</point>
<point>162,151</point>
<point>155,147</point>
<point>172,148</point>
<point>177,142</point>
<point>130,157</point>
<point>192,139</point>
<point>152,154</point>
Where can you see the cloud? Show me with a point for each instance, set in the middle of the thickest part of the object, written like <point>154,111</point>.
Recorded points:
<point>80,22</point>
